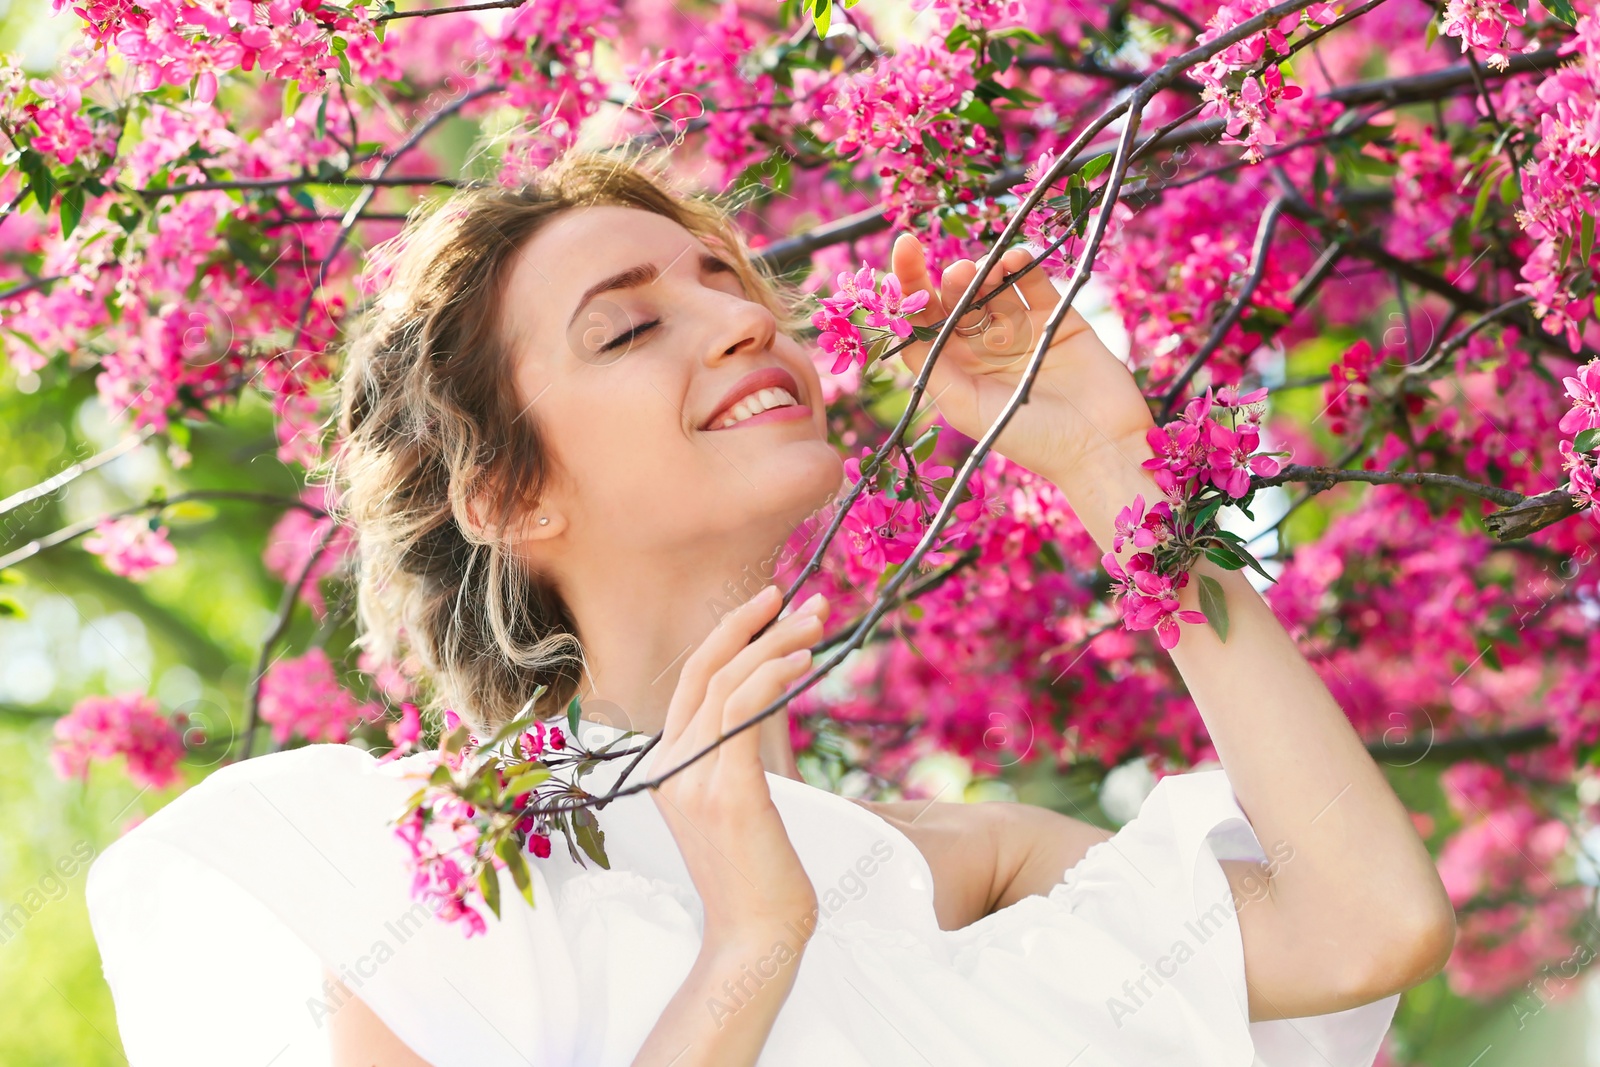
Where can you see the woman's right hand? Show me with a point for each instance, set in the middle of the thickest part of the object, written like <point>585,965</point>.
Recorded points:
<point>719,808</point>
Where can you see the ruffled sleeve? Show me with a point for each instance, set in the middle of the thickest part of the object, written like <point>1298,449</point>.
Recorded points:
<point>216,916</point>
<point>1157,885</point>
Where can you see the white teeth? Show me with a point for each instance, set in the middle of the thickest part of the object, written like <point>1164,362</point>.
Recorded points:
<point>757,402</point>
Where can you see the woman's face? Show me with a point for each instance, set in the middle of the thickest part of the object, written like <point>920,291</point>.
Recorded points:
<point>631,337</point>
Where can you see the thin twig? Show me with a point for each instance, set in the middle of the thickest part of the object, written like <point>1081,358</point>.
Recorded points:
<point>1263,244</point>
<point>1320,478</point>
<point>291,595</point>
<point>78,529</point>
<point>77,470</point>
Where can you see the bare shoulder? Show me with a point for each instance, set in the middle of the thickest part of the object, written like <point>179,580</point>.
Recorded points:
<point>358,1038</point>
<point>987,855</point>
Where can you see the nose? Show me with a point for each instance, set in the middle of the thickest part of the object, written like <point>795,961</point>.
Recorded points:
<point>743,327</point>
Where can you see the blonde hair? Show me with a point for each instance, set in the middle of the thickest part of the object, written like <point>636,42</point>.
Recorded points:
<point>429,420</point>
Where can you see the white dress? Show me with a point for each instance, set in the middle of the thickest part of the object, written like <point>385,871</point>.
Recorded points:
<point>216,915</point>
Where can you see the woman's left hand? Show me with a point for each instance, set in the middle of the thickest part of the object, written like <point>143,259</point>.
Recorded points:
<point>1083,400</point>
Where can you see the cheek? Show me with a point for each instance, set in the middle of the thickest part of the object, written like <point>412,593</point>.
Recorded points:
<point>622,441</point>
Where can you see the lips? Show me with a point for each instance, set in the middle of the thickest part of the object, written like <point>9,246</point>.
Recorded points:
<point>754,382</point>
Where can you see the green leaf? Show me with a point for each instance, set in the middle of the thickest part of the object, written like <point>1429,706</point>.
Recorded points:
<point>39,178</point>
<point>291,97</point>
<point>411,803</point>
<point>1430,35</point>
<point>1095,167</point>
<point>456,739</point>
<point>10,609</point>
<point>1224,558</point>
<point>823,15</point>
<point>1203,516</point>
<point>1509,189</point>
<point>1586,440</point>
<point>1244,554</point>
<point>1563,10</point>
<point>574,709</point>
<point>1480,204</point>
<point>1214,605</point>
<point>489,883</point>
<point>72,210</point>
<point>507,850</point>
<point>953,224</point>
<point>590,837</point>
<point>924,445</point>
<point>526,777</point>
<point>1586,238</point>
<point>1018,31</point>
<point>979,112</point>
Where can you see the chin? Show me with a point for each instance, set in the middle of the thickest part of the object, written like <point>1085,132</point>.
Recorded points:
<point>796,484</point>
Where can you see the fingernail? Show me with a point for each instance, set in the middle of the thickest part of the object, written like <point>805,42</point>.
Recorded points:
<point>798,656</point>
<point>813,602</point>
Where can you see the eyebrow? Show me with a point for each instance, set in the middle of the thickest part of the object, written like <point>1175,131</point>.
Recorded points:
<point>643,274</point>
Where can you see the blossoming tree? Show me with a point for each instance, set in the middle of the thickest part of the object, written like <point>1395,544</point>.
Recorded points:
<point>1352,246</point>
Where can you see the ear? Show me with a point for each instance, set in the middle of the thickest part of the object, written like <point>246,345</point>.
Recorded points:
<point>541,523</point>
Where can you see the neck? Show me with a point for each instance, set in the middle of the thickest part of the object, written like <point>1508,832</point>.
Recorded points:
<point>636,636</point>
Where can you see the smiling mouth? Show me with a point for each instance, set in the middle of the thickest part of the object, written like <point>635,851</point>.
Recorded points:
<point>762,400</point>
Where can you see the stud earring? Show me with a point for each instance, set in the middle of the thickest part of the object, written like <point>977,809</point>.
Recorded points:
<point>544,520</point>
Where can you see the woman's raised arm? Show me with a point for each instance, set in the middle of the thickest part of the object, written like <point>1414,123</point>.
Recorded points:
<point>1359,911</point>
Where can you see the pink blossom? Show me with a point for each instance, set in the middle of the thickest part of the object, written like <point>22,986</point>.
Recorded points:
<point>132,546</point>
<point>302,697</point>
<point>404,733</point>
<point>130,725</point>
<point>1585,393</point>
<point>1583,472</point>
<point>1149,600</point>
<point>890,307</point>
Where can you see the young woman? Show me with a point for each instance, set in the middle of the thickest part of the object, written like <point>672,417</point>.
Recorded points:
<point>575,417</point>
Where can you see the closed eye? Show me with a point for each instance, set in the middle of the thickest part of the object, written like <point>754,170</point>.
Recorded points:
<point>630,335</point>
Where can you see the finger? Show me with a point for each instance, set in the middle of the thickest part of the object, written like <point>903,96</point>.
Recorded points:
<point>797,631</point>
<point>1036,287</point>
<point>959,276</point>
<point>764,685</point>
<point>908,260</point>
<point>732,632</point>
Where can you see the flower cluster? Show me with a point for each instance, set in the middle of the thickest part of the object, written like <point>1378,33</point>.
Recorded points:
<point>1196,450</point>
<point>1201,464</point>
<point>1247,104</point>
<point>129,725</point>
<point>171,43</point>
<point>903,112</point>
<point>885,525</point>
<point>1482,24</point>
<point>478,812</point>
<point>1559,188</point>
<point>888,313</point>
<point>302,697</point>
<point>1579,456</point>
<point>131,546</point>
